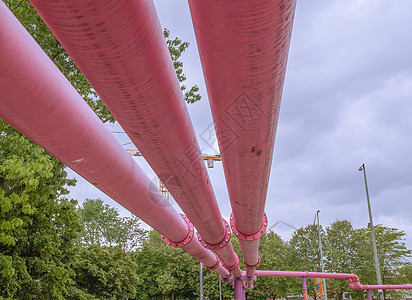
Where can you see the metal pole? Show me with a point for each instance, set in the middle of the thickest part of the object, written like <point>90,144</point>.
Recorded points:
<point>375,250</point>
<point>369,294</point>
<point>239,289</point>
<point>201,281</point>
<point>304,288</point>
<point>322,263</point>
<point>220,287</point>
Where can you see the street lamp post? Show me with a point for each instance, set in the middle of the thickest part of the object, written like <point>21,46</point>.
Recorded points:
<point>201,282</point>
<point>375,251</point>
<point>220,287</point>
<point>322,263</point>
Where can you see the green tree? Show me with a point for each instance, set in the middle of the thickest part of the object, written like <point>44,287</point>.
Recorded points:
<point>404,276</point>
<point>304,255</point>
<point>165,271</point>
<point>392,254</point>
<point>176,49</point>
<point>133,235</point>
<point>102,223</point>
<point>349,250</point>
<point>304,252</point>
<point>38,225</point>
<point>341,251</point>
<point>273,252</point>
<point>104,226</point>
<point>104,273</point>
<point>171,273</point>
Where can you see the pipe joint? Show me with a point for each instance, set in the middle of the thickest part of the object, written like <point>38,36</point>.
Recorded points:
<point>254,266</point>
<point>215,265</point>
<point>235,265</point>
<point>251,237</point>
<point>186,240</point>
<point>220,245</point>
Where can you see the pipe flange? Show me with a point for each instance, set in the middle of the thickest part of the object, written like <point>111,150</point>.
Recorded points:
<point>188,237</point>
<point>222,244</point>
<point>254,266</point>
<point>251,237</point>
<point>215,265</point>
<point>230,269</point>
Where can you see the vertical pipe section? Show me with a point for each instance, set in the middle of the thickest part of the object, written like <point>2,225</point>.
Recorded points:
<point>304,289</point>
<point>239,287</point>
<point>201,282</point>
<point>38,101</point>
<point>243,47</point>
<point>120,48</point>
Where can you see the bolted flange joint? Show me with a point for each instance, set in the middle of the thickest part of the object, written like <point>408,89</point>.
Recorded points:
<point>254,266</point>
<point>222,244</point>
<point>251,237</point>
<point>231,268</point>
<point>215,265</point>
<point>186,240</point>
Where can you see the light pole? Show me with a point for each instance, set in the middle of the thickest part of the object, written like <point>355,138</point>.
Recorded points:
<point>322,263</point>
<point>220,287</point>
<point>201,282</point>
<point>375,251</point>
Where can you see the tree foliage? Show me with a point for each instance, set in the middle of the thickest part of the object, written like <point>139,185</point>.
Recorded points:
<point>176,49</point>
<point>38,225</point>
<point>104,273</point>
<point>394,257</point>
<point>274,254</point>
<point>104,226</point>
<point>349,250</point>
<point>165,271</point>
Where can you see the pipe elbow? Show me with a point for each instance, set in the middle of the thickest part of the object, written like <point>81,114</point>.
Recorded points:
<point>355,284</point>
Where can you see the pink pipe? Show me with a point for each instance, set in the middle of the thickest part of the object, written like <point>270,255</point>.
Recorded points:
<point>304,289</point>
<point>250,254</point>
<point>352,279</point>
<point>195,249</point>
<point>358,286</point>
<point>38,101</point>
<point>243,47</point>
<point>239,287</point>
<point>303,274</point>
<point>120,48</point>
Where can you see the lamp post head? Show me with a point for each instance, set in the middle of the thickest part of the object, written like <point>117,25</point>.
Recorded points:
<point>361,167</point>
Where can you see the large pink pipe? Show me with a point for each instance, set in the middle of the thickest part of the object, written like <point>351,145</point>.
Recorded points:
<point>120,48</point>
<point>38,101</point>
<point>352,279</point>
<point>243,47</point>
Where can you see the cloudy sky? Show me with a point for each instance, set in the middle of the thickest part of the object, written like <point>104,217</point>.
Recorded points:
<point>347,100</point>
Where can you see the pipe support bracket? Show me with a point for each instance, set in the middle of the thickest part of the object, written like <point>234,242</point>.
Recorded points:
<point>251,237</point>
<point>186,240</point>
